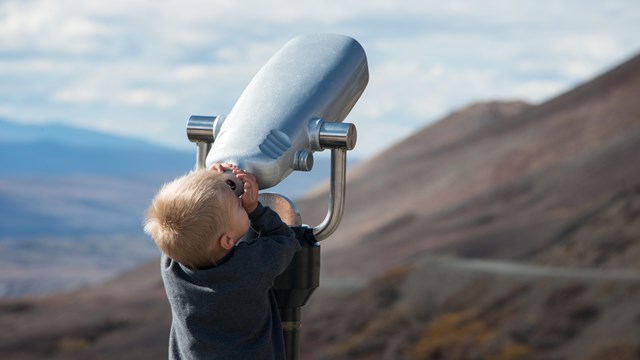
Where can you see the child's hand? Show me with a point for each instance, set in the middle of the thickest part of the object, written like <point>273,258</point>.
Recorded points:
<point>222,167</point>
<point>250,196</point>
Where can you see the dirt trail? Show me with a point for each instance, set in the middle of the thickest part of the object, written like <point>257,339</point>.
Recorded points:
<point>529,270</point>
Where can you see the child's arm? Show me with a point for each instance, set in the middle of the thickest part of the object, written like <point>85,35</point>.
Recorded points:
<point>275,237</point>
<point>266,222</point>
<point>263,220</point>
<point>276,243</point>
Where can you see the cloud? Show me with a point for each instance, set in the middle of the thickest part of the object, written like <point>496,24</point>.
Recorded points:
<point>130,66</point>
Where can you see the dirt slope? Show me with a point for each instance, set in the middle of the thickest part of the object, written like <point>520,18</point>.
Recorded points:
<point>576,299</point>
<point>527,171</point>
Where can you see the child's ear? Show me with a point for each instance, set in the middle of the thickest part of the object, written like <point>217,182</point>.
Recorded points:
<point>226,241</point>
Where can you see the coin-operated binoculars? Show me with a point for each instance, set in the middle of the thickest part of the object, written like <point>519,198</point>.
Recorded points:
<point>294,106</point>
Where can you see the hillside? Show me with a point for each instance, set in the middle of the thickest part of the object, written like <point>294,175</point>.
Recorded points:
<point>543,198</point>
<point>575,299</point>
<point>503,231</point>
<point>526,174</point>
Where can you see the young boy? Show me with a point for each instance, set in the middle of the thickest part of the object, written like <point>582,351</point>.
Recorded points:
<point>219,287</point>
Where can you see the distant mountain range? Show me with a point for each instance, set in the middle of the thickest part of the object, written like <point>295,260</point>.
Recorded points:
<point>44,165</point>
<point>61,178</point>
<point>503,231</point>
<point>60,149</point>
<point>68,193</point>
<point>15,132</point>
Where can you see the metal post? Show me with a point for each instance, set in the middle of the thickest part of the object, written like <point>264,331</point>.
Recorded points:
<point>290,318</point>
<point>294,287</point>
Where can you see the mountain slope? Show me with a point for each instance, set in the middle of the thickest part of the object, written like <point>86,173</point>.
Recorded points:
<point>538,168</point>
<point>71,136</point>
<point>554,184</point>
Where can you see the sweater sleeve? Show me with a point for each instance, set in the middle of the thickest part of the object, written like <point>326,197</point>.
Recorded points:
<point>276,244</point>
<point>267,222</point>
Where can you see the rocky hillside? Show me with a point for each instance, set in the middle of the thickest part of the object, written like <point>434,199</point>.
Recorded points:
<point>575,299</point>
<point>543,198</point>
<point>495,180</point>
<point>503,231</point>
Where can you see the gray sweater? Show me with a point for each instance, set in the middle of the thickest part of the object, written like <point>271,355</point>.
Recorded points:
<point>229,311</point>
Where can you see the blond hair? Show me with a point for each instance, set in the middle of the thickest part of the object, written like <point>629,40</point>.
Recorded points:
<point>187,215</point>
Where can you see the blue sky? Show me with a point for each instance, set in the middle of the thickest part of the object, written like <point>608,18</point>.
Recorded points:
<point>141,68</point>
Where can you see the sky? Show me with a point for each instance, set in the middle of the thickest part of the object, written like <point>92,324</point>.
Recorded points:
<point>141,67</point>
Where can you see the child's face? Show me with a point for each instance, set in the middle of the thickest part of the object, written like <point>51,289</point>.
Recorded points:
<point>238,218</point>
